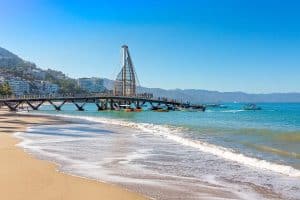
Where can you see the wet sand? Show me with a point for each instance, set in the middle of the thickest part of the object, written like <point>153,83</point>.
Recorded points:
<point>24,177</point>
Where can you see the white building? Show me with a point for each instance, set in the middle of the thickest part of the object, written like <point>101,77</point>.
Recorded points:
<point>19,86</point>
<point>91,84</point>
<point>51,88</point>
<point>38,74</point>
<point>45,87</point>
<point>2,79</point>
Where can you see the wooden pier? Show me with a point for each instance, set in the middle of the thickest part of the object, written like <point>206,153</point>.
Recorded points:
<point>103,102</point>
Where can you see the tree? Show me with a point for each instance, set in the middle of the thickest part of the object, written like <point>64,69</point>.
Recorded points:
<point>5,89</point>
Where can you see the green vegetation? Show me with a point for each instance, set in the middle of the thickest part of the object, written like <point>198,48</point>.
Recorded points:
<point>67,85</point>
<point>5,89</point>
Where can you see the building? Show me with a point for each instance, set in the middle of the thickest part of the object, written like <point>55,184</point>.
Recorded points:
<point>38,74</point>
<point>46,88</point>
<point>2,79</point>
<point>43,88</point>
<point>93,85</point>
<point>52,88</point>
<point>19,86</point>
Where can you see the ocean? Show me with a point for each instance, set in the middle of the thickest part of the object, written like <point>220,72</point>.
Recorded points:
<point>223,153</point>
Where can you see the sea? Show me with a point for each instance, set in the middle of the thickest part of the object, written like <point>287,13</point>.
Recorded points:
<point>222,153</point>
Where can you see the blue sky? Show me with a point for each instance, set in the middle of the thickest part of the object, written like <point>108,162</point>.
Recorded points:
<point>234,45</point>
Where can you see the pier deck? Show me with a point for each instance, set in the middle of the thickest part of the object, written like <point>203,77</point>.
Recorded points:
<point>103,102</point>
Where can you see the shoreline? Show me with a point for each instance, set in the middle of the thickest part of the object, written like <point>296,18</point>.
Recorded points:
<point>201,190</point>
<point>25,177</point>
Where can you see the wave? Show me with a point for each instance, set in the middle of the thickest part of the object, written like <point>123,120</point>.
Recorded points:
<point>174,134</point>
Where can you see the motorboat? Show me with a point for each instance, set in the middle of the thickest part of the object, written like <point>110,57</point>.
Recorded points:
<point>161,108</point>
<point>126,108</point>
<point>251,107</point>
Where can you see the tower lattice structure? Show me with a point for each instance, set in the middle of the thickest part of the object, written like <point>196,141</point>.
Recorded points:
<point>126,81</point>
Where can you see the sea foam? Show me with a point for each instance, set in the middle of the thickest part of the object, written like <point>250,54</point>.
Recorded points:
<point>174,134</point>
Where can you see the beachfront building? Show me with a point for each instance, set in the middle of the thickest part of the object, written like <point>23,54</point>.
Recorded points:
<point>126,81</point>
<point>47,88</point>
<point>92,85</point>
<point>19,86</point>
<point>43,88</point>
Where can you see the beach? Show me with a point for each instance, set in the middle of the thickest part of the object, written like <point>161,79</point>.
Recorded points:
<point>24,177</point>
<point>175,155</point>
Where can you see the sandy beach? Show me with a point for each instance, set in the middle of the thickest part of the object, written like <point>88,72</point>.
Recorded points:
<point>24,177</point>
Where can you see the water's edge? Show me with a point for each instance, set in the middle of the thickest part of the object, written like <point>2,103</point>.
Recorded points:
<point>174,135</point>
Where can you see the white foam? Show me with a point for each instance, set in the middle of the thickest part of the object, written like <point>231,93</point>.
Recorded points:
<point>174,134</point>
<point>28,144</point>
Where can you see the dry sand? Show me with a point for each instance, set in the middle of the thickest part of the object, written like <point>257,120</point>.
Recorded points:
<point>23,177</point>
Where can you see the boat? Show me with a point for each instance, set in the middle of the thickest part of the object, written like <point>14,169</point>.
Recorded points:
<point>251,107</point>
<point>160,109</point>
<point>192,109</point>
<point>126,108</point>
<point>138,109</point>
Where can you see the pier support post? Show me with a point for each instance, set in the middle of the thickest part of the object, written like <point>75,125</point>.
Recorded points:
<point>34,107</point>
<point>105,104</point>
<point>111,104</point>
<point>57,107</point>
<point>99,106</point>
<point>79,107</point>
<point>12,107</point>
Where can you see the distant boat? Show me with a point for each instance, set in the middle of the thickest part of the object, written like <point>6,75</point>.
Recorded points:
<point>161,108</point>
<point>192,109</point>
<point>251,107</point>
<point>126,108</point>
<point>138,109</point>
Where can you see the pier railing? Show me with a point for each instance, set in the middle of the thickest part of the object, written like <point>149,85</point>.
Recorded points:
<point>102,100</point>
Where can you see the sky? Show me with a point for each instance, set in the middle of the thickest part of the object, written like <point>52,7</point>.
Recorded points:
<point>224,45</point>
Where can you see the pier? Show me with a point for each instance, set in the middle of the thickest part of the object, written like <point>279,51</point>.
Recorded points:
<point>102,101</point>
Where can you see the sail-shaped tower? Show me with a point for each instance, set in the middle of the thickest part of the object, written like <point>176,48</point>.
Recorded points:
<point>126,81</point>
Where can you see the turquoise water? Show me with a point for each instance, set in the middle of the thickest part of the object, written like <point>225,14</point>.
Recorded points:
<point>272,133</point>
<point>232,152</point>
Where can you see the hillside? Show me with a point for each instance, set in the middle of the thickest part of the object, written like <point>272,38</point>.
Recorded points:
<point>13,66</point>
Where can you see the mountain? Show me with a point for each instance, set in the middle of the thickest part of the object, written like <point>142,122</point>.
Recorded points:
<point>205,96</point>
<point>10,60</point>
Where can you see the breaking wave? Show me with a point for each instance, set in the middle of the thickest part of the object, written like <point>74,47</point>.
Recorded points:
<point>174,134</point>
